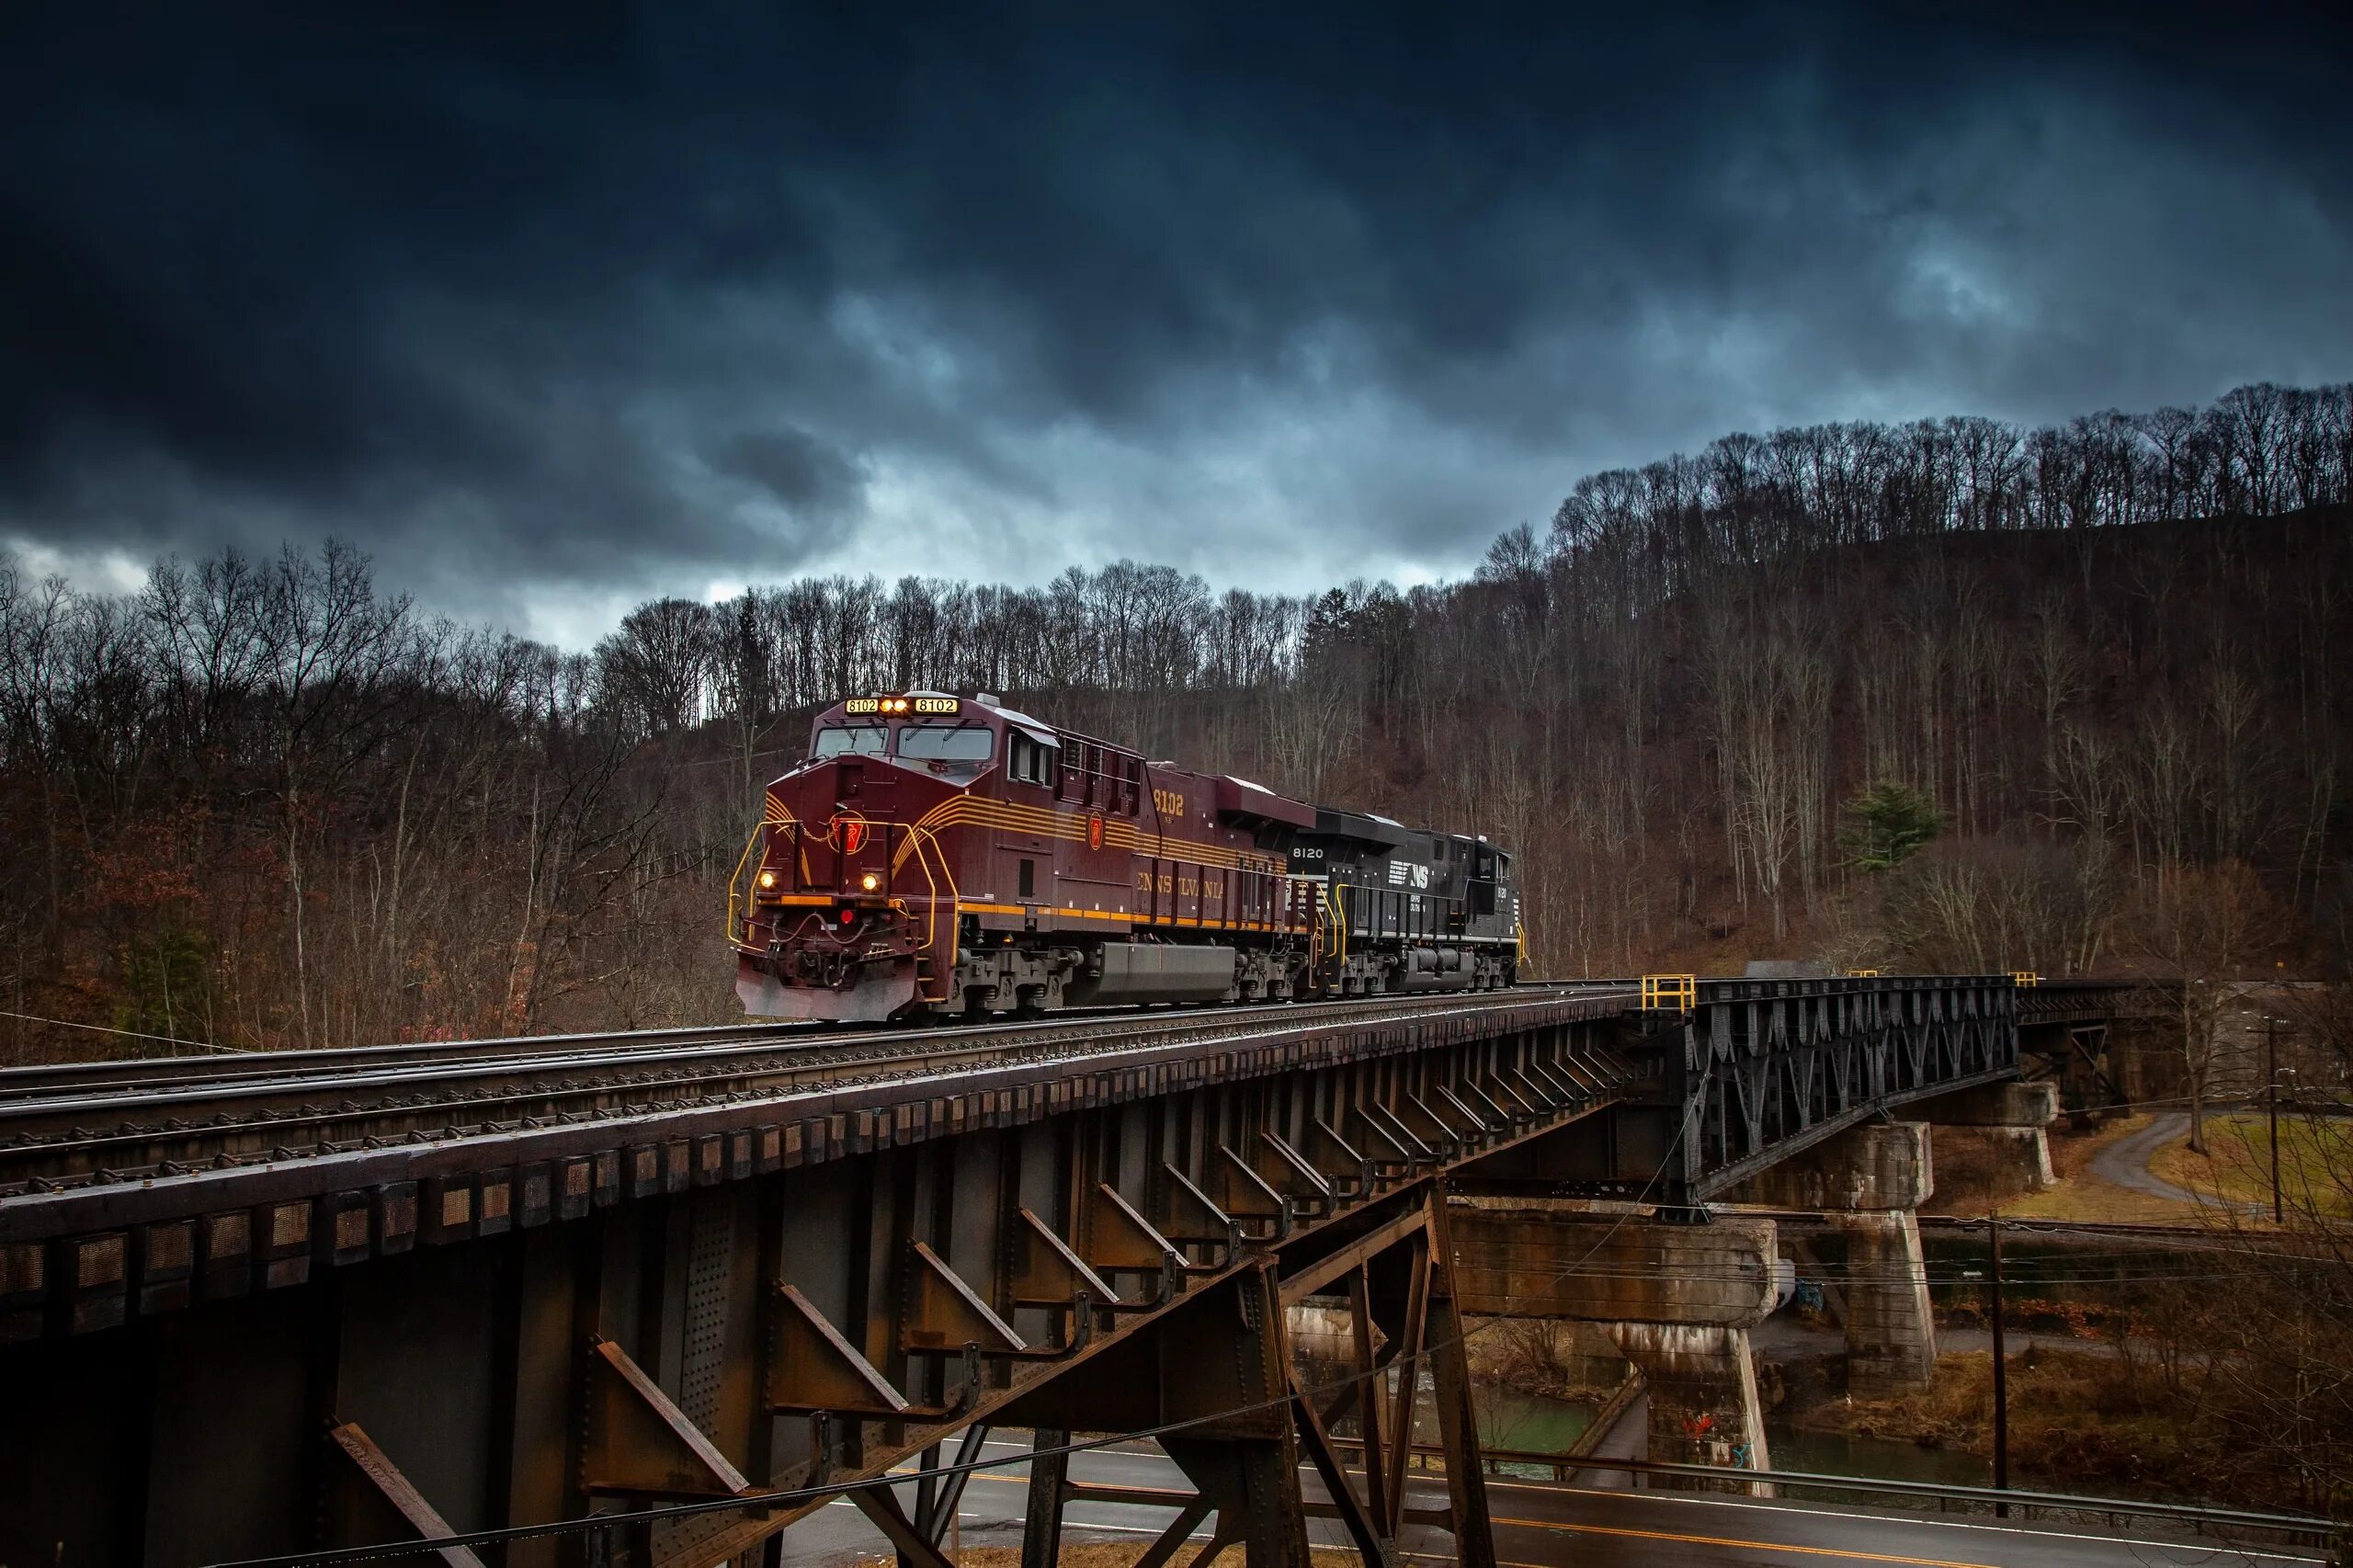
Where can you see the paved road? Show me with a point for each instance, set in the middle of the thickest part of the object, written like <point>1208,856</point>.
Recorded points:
<point>2125,1163</point>
<point>1540,1524</point>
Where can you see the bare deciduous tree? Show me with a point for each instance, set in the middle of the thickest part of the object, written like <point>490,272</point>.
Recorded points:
<point>262,800</point>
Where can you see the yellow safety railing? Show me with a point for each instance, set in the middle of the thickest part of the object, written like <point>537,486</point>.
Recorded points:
<point>1676,993</point>
<point>739,887</point>
<point>1862,974</point>
<point>1336,907</point>
<point>928,852</point>
<point>929,860</point>
<point>2024,977</point>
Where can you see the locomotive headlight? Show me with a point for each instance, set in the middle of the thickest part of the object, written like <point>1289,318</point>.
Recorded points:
<point>767,879</point>
<point>869,881</point>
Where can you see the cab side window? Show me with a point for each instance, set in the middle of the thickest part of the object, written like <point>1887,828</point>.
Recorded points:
<point>1029,761</point>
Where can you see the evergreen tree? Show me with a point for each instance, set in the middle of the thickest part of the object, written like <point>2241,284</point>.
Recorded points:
<point>1886,823</point>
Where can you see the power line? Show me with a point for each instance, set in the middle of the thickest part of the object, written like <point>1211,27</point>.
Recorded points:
<point>1407,1364</point>
<point>127,1034</point>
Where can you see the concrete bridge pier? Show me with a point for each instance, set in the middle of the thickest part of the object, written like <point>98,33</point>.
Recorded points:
<point>2015,1119</point>
<point>1890,1328</point>
<point>1702,1385</point>
<point>1679,1298</point>
<point>1873,1179</point>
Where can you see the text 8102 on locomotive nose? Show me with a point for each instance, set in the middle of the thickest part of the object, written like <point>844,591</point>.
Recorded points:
<point>947,855</point>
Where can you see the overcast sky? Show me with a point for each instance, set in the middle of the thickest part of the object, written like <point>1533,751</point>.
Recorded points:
<point>556,314</point>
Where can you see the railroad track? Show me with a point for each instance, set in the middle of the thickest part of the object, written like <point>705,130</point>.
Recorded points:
<point>94,1124</point>
<point>147,1073</point>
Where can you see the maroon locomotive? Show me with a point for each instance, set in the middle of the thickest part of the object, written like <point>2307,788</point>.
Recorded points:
<point>939,855</point>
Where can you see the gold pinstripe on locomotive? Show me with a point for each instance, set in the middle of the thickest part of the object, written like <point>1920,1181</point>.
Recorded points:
<point>938,853</point>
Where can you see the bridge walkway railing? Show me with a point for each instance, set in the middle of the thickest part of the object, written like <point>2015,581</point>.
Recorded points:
<point>2301,1529</point>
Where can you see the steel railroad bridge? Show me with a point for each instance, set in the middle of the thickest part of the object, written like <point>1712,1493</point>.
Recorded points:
<point>649,1298</point>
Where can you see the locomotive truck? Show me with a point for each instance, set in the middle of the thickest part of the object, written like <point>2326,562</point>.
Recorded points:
<point>946,856</point>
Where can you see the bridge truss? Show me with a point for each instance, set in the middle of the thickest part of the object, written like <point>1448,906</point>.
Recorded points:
<point>653,1299</point>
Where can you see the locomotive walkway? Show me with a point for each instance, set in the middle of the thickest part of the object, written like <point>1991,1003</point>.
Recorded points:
<point>652,1297</point>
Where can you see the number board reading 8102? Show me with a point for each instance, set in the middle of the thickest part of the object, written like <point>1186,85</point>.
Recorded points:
<point>930,704</point>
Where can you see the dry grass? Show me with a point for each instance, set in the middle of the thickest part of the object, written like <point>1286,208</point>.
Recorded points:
<point>2315,1162</point>
<point>2079,1422</point>
<point>1964,1184</point>
<point>1558,1360</point>
<point>1115,1554</point>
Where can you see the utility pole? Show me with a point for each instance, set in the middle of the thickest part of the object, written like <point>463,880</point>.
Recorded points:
<point>2271,1107</point>
<point>2001,1370</point>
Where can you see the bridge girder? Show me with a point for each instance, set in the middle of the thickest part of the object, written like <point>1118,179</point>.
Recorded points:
<point>523,1324</point>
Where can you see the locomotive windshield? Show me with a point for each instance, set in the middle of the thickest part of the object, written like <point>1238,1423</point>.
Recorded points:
<point>971,743</point>
<point>860,740</point>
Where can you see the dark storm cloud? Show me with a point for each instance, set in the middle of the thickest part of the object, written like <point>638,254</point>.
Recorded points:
<point>600,302</point>
<point>796,468</point>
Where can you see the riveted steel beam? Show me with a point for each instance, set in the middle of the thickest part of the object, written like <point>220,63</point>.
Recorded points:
<point>751,1263</point>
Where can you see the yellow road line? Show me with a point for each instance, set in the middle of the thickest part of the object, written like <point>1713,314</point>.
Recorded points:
<point>1621,1531</point>
<point>1511,1562</point>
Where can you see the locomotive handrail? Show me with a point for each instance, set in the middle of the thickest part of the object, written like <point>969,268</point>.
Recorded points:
<point>1201,877</point>
<point>738,892</point>
<point>927,846</point>
<point>1336,903</point>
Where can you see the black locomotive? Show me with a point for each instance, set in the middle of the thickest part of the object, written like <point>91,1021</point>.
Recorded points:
<point>1408,909</point>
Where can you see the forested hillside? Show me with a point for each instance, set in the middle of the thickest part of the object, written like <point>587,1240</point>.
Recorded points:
<point>1947,695</point>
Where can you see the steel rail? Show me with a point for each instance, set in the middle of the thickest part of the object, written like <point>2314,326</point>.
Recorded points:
<point>143,1075</point>
<point>45,1144</point>
<point>375,1066</point>
<point>138,1073</point>
<point>133,1076</point>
